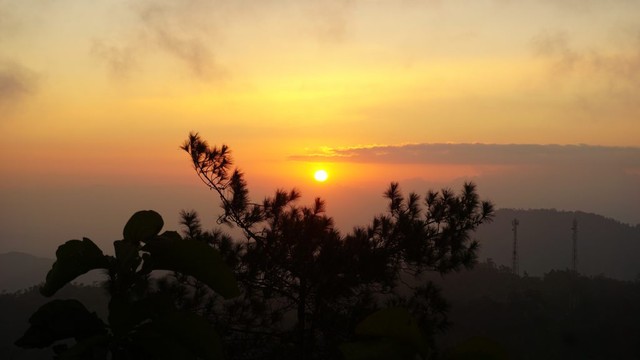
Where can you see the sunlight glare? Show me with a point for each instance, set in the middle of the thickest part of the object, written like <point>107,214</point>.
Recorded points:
<point>321,175</point>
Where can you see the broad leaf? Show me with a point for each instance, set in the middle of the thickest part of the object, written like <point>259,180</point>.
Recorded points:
<point>127,255</point>
<point>59,320</point>
<point>73,258</point>
<point>143,226</point>
<point>193,258</point>
<point>170,235</point>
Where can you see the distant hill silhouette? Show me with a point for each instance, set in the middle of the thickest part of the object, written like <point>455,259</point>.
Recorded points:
<point>605,246</point>
<point>20,271</point>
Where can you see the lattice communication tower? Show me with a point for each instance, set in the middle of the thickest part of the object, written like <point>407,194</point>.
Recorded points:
<point>574,237</point>
<point>515,265</point>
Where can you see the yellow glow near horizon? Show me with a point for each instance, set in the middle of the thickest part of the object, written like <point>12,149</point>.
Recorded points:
<point>321,175</point>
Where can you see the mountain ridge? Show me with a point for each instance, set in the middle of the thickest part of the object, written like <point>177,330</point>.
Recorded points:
<point>606,246</point>
<point>20,270</point>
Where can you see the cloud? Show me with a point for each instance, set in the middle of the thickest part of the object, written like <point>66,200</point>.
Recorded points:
<point>184,31</point>
<point>16,82</point>
<point>120,60</point>
<point>7,20</point>
<point>556,46</point>
<point>192,31</point>
<point>599,82</point>
<point>177,31</point>
<point>484,154</point>
<point>622,67</point>
<point>571,6</point>
<point>619,67</point>
<point>330,19</point>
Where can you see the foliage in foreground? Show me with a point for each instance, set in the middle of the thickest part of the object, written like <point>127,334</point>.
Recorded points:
<point>142,323</point>
<point>304,290</point>
<point>557,316</point>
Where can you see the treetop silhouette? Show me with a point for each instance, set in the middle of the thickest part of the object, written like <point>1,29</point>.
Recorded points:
<point>296,262</point>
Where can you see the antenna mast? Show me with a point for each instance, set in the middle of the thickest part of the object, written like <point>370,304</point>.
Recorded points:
<point>515,265</point>
<point>575,246</point>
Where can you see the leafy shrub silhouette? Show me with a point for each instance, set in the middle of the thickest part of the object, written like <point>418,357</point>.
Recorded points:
<point>142,323</point>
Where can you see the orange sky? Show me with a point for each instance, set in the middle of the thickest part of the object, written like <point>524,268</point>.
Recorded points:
<point>100,94</point>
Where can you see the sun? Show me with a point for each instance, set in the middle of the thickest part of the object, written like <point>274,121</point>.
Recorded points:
<point>321,175</point>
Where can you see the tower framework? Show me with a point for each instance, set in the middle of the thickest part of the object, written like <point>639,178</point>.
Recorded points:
<point>515,265</point>
<point>574,238</point>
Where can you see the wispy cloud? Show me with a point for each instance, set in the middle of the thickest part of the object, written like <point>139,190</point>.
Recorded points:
<point>482,154</point>
<point>572,6</point>
<point>191,31</point>
<point>174,29</point>
<point>120,60</point>
<point>329,19</point>
<point>555,45</point>
<point>16,82</point>
<point>619,67</point>
<point>184,31</point>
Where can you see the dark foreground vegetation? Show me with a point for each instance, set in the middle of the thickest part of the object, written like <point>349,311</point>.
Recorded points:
<point>555,316</point>
<point>292,287</point>
<point>560,315</point>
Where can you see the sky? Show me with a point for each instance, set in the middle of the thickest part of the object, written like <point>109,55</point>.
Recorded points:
<point>537,101</point>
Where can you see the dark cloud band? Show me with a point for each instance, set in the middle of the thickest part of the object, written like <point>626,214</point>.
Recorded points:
<point>484,154</point>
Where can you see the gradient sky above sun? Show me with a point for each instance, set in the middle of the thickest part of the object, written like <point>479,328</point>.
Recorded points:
<point>96,96</point>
